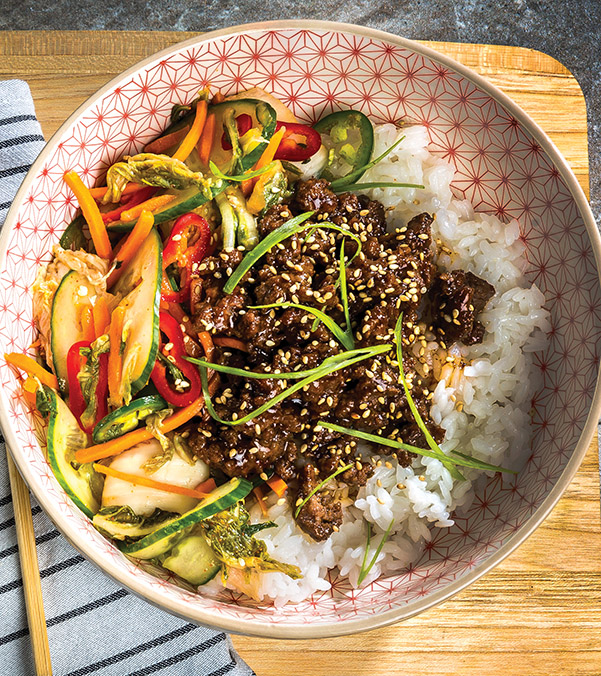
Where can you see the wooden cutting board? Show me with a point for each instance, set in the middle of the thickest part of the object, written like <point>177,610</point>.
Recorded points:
<point>539,612</point>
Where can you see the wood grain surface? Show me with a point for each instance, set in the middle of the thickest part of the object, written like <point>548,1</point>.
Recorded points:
<point>539,612</point>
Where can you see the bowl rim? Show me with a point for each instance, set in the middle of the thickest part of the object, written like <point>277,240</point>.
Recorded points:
<point>255,627</point>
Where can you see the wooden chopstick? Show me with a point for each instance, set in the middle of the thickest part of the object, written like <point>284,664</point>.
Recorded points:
<point>30,571</point>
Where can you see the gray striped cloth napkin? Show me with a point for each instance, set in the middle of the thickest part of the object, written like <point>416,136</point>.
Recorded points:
<point>94,626</point>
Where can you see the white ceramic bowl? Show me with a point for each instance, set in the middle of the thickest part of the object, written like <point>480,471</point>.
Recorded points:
<point>505,165</point>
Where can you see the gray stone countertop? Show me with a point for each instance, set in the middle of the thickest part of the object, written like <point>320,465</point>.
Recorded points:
<point>568,30</point>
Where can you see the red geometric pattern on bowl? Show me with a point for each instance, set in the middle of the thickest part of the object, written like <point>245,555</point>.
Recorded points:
<point>500,167</point>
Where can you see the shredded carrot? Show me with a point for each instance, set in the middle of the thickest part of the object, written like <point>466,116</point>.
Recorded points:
<point>277,485</point>
<point>30,388</point>
<point>99,193</point>
<point>218,98</point>
<point>231,342</point>
<point>264,160</point>
<point>150,483</point>
<point>207,486</point>
<point>205,143</point>
<point>258,493</point>
<point>163,143</point>
<point>32,368</point>
<point>102,316</point>
<point>120,444</point>
<point>207,344</point>
<point>115,364</point>
<point>87,323</point>
<point>131,245</point>
<point>91,213</point>
<point>194,134</point>
<point>152,204</point>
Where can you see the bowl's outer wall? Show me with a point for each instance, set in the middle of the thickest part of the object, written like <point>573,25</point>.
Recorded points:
<point>505,165</point>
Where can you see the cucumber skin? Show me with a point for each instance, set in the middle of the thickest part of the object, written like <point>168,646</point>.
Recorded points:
<point>239,489</point>
<point>55,465</point>
<point>100,434</point>
<point>171,212</point>
<point>60,369</point>
<point>143,379</point>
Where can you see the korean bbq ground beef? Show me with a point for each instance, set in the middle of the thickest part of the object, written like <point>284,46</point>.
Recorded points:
<point>392,273</point>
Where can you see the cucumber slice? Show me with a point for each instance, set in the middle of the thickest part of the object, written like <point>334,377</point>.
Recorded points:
<point>163,539</point>
<point>140,286</point>
<point>64,438</point>
<point>186,201</point>
<point>127,418</point>
<point>65,320</point>
<point>193,560</point>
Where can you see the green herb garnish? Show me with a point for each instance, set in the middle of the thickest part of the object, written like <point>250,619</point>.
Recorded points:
<point>340,470</point>
<point>350,178</point>
<point>287,375</point>
<point>344,337</point>
<point>362,353</point>
<point>466,460</point>
<point>286,230</point>
<point>369,186</point>
<point>238,178</point>
<point>344,293</point>
<point>398,338</point>
<point>364,572</point>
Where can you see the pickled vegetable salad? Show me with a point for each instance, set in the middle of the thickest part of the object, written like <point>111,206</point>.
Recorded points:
<point>112,313</point>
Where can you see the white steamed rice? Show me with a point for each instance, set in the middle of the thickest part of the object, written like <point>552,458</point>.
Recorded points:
<point>483,407</point>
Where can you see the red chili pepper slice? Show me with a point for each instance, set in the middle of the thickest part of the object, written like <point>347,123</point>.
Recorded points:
<point>244,122</point>
<point>127,202</point>
<point>186,247</point>
<point>77,403</point>
<point>75,362</point>
<point>292,148</point>
<point>166,387</point>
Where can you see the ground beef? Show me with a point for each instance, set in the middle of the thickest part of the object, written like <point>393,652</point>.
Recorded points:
<point>389,274</point>
<point>322,513</point>
<point>458,297</point>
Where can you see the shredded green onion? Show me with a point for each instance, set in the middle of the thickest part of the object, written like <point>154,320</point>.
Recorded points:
<point>238,178</point>
<point>342,336</point>
<point>364,572</point>
<point>350,178</point>
<point>466,460</point>
<point>398,338</point>
<point>286,230</point>
<point>344,293</point>
<point>340,470</point>
<point>347,187</point>
<point>287,375</point>
<point>366,353</point>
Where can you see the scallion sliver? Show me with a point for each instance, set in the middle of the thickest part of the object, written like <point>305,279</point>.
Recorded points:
<point>367,353</point>
<point>355,187</point>
<point>365,567</point>
<point>289,228</point>
<point>343,336</point>
<point>464,461</point>
<point>340,470</point>
<point>286,375</point>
